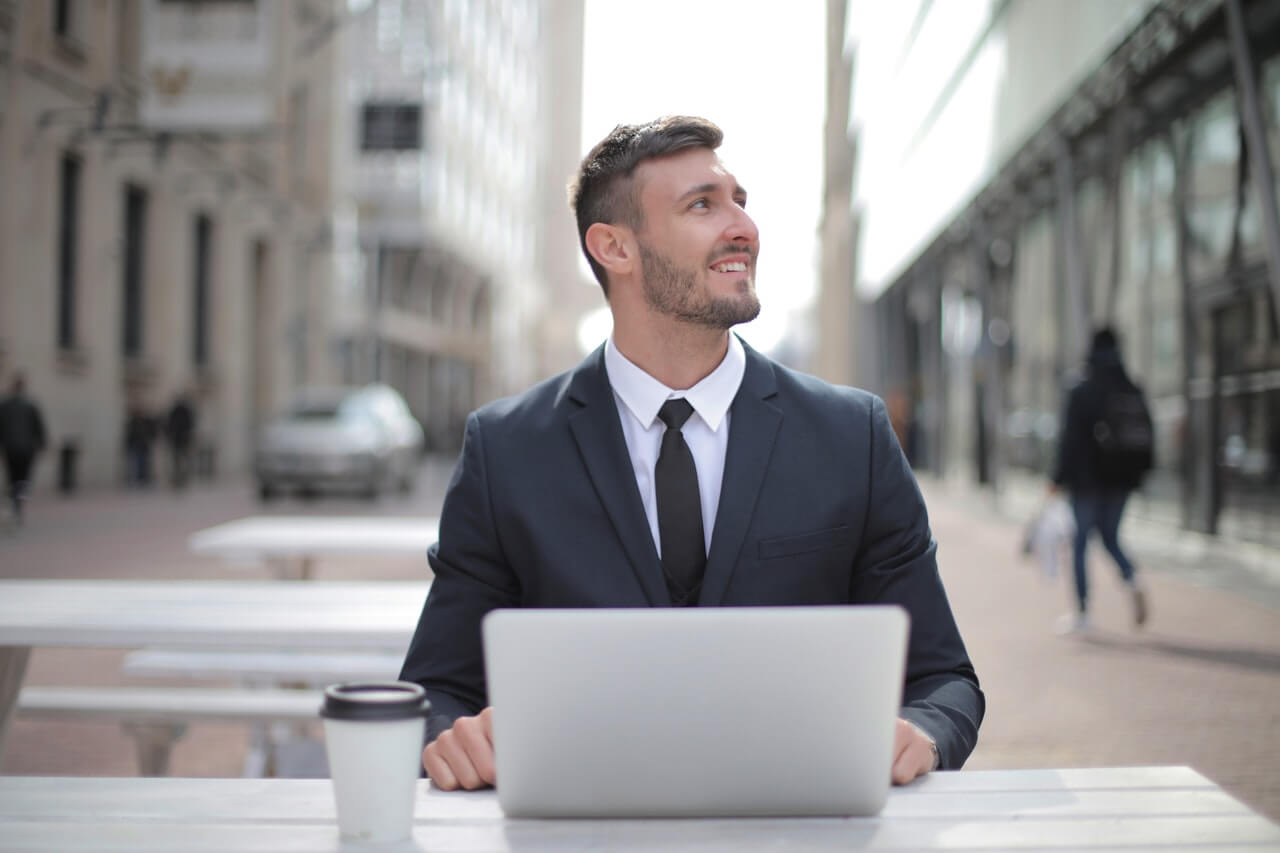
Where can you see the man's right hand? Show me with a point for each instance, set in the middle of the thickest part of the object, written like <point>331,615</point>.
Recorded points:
<point>462,757</point>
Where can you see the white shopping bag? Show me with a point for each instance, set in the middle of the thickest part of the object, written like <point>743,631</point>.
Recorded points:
<point>1049,534</point>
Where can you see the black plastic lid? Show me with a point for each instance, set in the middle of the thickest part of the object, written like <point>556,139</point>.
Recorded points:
<point>375,700</point>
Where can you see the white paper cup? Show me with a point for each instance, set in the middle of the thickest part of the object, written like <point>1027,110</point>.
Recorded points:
<point>373,734</point>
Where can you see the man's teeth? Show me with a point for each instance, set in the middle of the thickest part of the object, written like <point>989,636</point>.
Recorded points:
<point>732,266</point>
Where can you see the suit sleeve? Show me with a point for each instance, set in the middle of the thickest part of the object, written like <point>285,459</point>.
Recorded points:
<point>472,577</point>
<point>897,564</point>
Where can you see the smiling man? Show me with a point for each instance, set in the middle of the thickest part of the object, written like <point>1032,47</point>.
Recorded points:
<point>678,467</point>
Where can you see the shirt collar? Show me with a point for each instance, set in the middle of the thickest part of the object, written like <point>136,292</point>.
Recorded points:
<point>644,395</point>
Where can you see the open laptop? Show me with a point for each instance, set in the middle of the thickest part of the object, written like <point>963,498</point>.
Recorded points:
<point>694,712</point>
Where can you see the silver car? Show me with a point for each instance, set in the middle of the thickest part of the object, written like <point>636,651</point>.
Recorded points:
<point>340,439</point>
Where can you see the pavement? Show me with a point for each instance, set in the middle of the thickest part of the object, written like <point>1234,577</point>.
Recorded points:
<point>1199,685</point>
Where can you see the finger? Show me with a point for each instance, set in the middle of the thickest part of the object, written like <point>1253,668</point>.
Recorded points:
<point>902,733</point>
<point>438,769</point>
<point>453,749</point>
<point>460,763</point>
<point>909,753</point>
<point>475,740</point>
<point>914,761</point>
<point>904,768</point>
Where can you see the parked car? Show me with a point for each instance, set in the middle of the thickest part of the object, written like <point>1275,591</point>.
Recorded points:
<point>360,439</point>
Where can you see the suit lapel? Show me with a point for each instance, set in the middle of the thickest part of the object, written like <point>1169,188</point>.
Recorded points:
<point>753,426</point>
<point>598,433</point>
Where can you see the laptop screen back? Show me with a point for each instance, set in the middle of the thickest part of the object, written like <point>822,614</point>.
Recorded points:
<point>694,711</point>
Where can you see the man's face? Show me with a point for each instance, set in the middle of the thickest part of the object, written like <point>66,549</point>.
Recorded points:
<point>698,247</point>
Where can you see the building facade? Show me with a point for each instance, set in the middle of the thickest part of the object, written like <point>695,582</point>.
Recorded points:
<point>464,118</point>
<point>238,199</point>
<point>166,186</point>
<point>1122,173</point>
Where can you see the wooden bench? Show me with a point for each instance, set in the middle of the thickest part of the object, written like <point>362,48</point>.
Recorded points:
<point>157,717</point>
<point>263,666</point>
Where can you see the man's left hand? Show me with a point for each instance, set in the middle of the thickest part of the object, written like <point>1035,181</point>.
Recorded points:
<point>913,753</point>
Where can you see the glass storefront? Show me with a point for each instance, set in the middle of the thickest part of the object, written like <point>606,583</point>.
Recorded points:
<point>1033,399</point>
<point>1173,254</point>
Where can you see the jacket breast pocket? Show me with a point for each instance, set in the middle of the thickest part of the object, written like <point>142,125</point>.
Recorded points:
<point>805,543</point>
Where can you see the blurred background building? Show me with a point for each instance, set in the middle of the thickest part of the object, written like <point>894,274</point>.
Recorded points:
<point>242,198</point>
<point>465,117</point>
<point>1029,170</point>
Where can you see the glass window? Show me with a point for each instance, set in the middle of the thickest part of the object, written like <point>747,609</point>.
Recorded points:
<point>202,262</point>
<point>134,271</point>
<point>68,237</point>
<point>391,127</point>
<point>1214,147</point>
<point>1149,299</point>
<point>1034,391</point>
<point>1093,214</point>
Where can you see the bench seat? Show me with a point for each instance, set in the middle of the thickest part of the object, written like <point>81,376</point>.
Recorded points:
<point>156,717</point>
<point>262,666</point>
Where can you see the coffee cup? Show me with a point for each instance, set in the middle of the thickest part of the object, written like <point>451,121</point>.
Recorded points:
<point>373,734</point>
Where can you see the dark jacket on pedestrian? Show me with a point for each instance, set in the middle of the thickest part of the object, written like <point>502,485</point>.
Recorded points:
<point>22,431</point>
<point>139,431</point>
<point>181,426</point>
<point>1083,465</point>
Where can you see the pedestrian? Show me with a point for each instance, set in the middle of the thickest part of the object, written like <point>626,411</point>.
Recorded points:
<point>22,437</point>
<point>676,466</point>
<point>139,435</point>
<point>1106,447</point>
<point>180,428</point>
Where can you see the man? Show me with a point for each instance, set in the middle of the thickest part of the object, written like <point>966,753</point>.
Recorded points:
<point>139,434</point>
<point>564,496</point>
<point>22,437</point>
<point>1105,450</point>
<point>180,426</point>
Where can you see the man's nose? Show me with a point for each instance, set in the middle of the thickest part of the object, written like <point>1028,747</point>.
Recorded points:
<point>742,229</point>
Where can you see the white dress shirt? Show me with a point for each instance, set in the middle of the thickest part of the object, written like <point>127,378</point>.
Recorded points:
<point>639,396</point>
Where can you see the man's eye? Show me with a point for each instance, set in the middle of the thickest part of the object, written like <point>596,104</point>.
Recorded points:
<point>700,203</point>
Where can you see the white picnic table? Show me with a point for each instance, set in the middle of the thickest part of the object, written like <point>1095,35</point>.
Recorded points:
<point>1131,809</point>
<point>345,615</point>
<point>290,544</point>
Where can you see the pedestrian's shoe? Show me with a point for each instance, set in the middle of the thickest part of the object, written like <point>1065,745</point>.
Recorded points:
<point>1076,622</point>
<point>1139,607</point>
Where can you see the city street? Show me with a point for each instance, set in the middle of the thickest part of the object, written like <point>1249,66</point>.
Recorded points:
<point>1199,686</point>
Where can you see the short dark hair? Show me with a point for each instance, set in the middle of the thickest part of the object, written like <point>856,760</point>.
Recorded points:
<point>602,191</point>
<point>1105,339</point>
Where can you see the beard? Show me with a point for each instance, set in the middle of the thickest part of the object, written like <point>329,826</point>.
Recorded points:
<point>673,290</point>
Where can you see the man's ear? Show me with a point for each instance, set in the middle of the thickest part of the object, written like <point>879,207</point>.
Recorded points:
<point>612,246</point>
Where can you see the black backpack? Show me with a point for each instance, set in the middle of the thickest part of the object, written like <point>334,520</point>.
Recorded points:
<point>1123,438</point>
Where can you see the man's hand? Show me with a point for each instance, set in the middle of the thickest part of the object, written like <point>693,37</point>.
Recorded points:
<point>462,757</point>
<point>913,753</point>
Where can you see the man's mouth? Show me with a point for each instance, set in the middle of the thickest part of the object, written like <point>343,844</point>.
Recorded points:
<point>730,266</point>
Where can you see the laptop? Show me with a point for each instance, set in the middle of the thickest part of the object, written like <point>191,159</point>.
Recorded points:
<point>694,712</point>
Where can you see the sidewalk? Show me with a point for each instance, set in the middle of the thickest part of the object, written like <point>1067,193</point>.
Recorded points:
<point>1199,686</point>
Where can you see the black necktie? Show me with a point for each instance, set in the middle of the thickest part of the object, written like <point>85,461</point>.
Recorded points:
<point>684,555</point>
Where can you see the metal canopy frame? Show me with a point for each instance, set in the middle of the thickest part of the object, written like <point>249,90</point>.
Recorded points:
<point>1178,55</point>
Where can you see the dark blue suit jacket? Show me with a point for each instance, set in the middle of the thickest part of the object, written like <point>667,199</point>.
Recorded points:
<point>817,506</point>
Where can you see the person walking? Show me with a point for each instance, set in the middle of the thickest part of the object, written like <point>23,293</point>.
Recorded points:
<point>139,434</point>
<point>180,428</point>
<point>1105,451</point>
<point>22,437</point>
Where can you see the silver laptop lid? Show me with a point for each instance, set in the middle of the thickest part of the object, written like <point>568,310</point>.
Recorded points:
<point>694,711</point>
